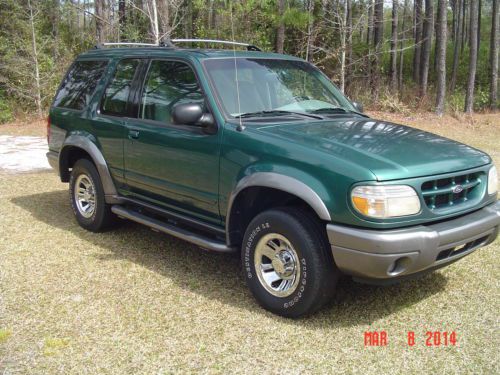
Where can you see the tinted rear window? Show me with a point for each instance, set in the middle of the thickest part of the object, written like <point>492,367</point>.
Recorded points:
<point>117,93</point>
<point>78,87</point>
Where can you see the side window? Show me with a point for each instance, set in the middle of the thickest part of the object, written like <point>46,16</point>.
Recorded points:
<point>79,85</point>
<point>168,83</point>
<point>115,98</point>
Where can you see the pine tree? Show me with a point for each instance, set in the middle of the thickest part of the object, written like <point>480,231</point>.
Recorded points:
<point>426,47</point>
<point>494,41</point>
<point>441,40</point>
<point>393,69</point>
<point>469,94</point>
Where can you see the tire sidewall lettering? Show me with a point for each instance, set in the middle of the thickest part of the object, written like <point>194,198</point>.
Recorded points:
<point>249,269</point>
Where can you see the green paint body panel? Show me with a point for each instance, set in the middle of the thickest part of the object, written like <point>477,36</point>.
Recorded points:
<point>187,170</point>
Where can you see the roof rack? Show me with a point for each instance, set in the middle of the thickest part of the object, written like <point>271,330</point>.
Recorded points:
<point>169,43</point>
<point>130,44</point>
<point>250,47</point>
<point>134,44</point>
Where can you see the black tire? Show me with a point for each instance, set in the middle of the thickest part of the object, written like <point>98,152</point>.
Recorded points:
<point>101,217</point>
<point>318,273</point>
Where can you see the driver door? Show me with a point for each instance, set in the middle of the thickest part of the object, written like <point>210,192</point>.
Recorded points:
<point>176,166</point>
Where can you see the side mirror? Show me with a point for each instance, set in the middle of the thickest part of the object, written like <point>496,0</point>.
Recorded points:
<point>187,113</point>
<point>192,114</point>
<point>358,106</point>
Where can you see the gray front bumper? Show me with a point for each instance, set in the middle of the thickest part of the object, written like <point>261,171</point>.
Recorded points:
<point>387,254</point>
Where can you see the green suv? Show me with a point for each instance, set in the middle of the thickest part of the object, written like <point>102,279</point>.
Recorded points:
<point>260,154</point>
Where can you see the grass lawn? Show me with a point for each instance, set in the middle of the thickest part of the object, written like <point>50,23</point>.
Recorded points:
<point>135,301</point>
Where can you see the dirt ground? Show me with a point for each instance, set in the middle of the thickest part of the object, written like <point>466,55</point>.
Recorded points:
<point>135,301</point>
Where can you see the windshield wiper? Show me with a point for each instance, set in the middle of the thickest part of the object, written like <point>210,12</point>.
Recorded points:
<point>336,110</point>
<point>277,112</point>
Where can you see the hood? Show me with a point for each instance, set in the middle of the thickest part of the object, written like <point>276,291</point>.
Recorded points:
<point>390,151</point>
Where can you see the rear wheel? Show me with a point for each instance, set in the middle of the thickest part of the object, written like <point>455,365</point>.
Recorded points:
<point>287,262</point>
<point>87,197</point>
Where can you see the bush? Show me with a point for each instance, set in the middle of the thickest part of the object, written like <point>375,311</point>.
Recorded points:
<point>481,99</point>
<point>5,111</point>
<point>456,102</point>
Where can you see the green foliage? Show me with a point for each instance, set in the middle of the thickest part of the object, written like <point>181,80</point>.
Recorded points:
<point>5,110</point>
<point>481,98</point>
<point>297,18</point>
<point>456,101</point>
<point>62,31</point>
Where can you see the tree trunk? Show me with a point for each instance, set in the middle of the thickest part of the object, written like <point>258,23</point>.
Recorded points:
<point>426,47</point>
<point>280,32</point>
<point>188,19</point>
<point>343,40</point>
<point>480,6</point>
<point>469,94</point>
<point>456,45</point>
<point>38,93</point>
<point>401,47</point>
<point>121,17</point>
<point>441,39</point>
<point>213,25</point>
<point>369,41</point>
<point>349,40</point>
<point>453,4</point>
<point>100,23</point>
<point>393,68</point>
<point>153,18</point>
<point>310,8</point>
<point>84,14</point>
<point>164,19</point>
<point>378,29</point>
<point>378,35</point>
<point>494,44</point>
<point>434,30</point>
<point>464,25</point>
<point>418,36</point>
<point>369,34</point>
<point>55,27</point>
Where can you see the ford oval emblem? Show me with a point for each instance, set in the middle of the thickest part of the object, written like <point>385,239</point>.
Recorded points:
<point>458,189</point>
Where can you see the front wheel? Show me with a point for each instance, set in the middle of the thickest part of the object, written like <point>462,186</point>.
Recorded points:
<point>287,262</point>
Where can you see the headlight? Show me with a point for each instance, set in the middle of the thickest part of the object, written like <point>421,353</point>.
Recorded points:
<point>385,201</point>
<point>492,181</point>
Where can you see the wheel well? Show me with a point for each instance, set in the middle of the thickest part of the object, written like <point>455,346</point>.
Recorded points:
<point>252,201</point>
<point>69,156</point>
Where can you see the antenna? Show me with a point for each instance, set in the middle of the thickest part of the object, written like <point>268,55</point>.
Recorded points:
<point>240,127</point>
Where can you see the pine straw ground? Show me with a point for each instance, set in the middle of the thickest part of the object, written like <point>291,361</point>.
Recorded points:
<point>135,301</point>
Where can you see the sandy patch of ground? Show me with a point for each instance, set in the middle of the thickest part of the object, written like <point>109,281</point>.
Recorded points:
<point>23,154</point>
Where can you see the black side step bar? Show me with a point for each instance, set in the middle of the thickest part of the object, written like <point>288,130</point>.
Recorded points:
<point>199,240</point>
<point>175,216</point>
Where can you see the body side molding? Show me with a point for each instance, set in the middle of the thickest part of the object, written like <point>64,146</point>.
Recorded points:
<point>279,182</point>
<point>84,143</point>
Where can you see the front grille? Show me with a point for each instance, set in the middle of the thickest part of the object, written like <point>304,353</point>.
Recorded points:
<point>452,192</point>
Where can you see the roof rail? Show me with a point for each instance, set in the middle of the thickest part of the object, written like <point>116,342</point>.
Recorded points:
<point>169,43</point>
<point>250,47</point>
<point>118,44</point>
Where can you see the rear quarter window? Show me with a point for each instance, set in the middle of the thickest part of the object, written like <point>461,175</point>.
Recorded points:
<point>79,85</point>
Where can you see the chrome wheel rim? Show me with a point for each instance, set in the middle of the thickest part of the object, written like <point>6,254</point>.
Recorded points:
<point>85,195</point>
<point>277,265</point>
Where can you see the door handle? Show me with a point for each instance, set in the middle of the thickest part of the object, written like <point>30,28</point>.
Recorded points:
<point>133,134</point>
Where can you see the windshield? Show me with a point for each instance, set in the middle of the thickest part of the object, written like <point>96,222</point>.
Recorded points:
<point>271,86</point>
